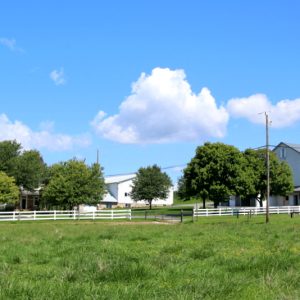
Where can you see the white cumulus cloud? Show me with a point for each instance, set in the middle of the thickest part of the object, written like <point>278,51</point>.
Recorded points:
<point>58,76</point>
<point>163,108</point>
<point>39,139</point>
<point>282,114</point>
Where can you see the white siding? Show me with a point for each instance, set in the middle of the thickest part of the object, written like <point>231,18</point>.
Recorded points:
<point>125,188</point>
<point>278,201</point>
<point>121,191</point>
<point>292,157</point>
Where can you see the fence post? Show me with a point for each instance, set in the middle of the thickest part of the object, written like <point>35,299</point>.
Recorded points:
<point>34,215</point>
<point>54,215</point>
<point>112,214</point>
<point>220,212</point>
<point>14,215</point>
<point>277,210</point>
<point>207,212</point>
<point>93,215</point>
<point>130,214</point>
<point>74,214</point>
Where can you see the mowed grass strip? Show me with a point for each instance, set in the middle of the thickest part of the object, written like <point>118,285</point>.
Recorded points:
<point>213,258</point>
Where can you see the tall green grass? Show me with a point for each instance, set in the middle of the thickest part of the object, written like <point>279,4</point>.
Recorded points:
<point>213,258</point>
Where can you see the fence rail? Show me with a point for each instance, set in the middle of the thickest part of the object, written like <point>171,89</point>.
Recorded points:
<point>231,211</point>
<point>65,215</point>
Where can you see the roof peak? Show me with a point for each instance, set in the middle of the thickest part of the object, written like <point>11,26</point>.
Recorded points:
<point>119,178</point>
<point>295,147</point>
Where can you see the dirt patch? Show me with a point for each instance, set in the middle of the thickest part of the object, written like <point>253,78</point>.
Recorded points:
<point>139,223</point>
<point>82,222</point>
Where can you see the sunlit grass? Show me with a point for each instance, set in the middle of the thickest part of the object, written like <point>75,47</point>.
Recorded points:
<point>212,258</point>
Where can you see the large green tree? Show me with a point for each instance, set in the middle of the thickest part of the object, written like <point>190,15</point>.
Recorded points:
<point>73,183</point>
<point>150,183</point>
<point>9,152</point>
<point>183,189</point>
<point>29,170</point>
<point>216,172</point>
<point>281,178</point>
<point>9,192</point>
<point>27,167</point>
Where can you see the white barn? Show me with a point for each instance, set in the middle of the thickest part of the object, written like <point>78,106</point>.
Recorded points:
<point>118,193</point>
<point>289,153</point>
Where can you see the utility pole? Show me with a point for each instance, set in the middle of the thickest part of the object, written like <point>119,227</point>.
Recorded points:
<point>97,156</point>
<point>268,167</point>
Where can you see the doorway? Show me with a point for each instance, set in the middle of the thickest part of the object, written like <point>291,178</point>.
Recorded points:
<point>296,200</point>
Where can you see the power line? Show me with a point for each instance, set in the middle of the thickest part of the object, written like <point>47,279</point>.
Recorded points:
<point>185,164</point>
<point>164,168</point>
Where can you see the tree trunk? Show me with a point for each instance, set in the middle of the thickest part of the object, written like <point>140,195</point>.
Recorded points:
<point>260,200</point>
<point>150,203</point>
<point>203,199</point>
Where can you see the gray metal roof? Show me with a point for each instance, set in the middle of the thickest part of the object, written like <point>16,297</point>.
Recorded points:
<point>297,189</point>
<point>119,178</point>
<point>294,146</point>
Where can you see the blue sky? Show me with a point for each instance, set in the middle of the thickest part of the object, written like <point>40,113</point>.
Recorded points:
<point>147,81</point>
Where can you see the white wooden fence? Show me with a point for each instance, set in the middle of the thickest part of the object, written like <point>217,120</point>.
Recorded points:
<point>231,211</point>
<point>65,215</point>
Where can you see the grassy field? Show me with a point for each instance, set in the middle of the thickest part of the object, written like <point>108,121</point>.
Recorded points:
<point>213,258</point>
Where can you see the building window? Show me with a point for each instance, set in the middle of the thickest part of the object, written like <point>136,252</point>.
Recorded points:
<point>126,194</point>
<point>282,152</point>
<point>36,200</point>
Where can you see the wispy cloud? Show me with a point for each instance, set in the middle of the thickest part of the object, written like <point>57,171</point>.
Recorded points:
<point>11,44</point>
<point>162,108</point>
<point>58,76</point>
<point>42,139</point>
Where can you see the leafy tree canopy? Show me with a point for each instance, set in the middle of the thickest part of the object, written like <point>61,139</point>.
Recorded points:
<point>150,183</point>
<point>216,172</point>
<point>9,192</point>
<point>281,178</point>
<point>73,183</point>
<point>9,151</point>
<point>29,169</point>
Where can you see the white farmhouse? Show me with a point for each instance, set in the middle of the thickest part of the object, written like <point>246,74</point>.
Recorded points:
<point>118,193</point>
